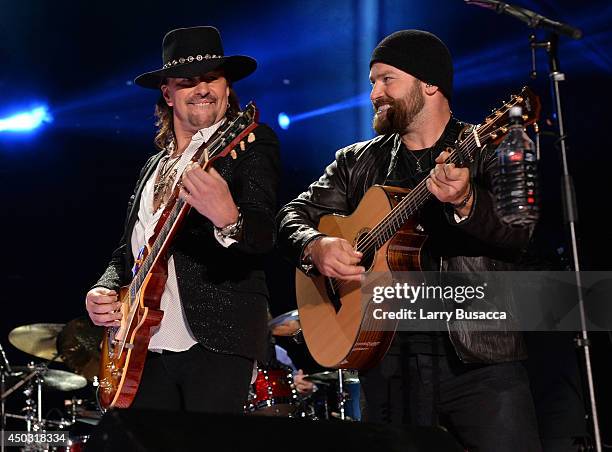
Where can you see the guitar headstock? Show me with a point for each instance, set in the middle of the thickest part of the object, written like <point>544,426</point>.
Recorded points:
<point>232,134</point>
<point>250,112</point>
<point>496,124</point>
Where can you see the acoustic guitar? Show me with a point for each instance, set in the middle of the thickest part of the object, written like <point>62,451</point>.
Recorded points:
<point>124,348</point>
<point>337,322</point>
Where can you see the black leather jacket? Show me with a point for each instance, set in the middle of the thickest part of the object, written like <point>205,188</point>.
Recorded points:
<point>479,243</point>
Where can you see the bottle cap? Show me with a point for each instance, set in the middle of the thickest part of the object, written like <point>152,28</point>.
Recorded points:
<point>515,112</point>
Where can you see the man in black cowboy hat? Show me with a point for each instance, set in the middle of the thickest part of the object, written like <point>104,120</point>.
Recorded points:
<point>215,298</point>
<point>472,384</point>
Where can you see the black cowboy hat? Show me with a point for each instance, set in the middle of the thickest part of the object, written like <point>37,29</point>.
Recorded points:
<point>189,52</point>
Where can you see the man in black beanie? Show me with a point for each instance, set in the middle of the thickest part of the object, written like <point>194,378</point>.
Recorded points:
<point>471,383</point>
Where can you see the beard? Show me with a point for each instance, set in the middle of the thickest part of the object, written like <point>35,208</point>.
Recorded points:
<point>401,112</point>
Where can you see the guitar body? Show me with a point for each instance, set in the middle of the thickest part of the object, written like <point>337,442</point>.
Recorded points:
<point>338,327</point>
<point>121,367</point>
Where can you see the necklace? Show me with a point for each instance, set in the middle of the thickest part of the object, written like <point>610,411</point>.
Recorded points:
<point>164,181</point>
<point>418,160</point>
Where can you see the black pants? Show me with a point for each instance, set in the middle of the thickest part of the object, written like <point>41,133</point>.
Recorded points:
<point>195,380</point>
<point>488,408</point>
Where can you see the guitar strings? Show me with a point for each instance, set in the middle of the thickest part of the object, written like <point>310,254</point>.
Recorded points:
<point>420,192</point>
<point>417,195</point>
<point>410,203</point>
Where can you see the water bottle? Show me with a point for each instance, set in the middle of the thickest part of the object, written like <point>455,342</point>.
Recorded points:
<point>516,180</point>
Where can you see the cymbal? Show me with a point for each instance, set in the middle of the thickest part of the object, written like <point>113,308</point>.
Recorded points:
<point>287,324</point>
<point>331,376</point>
<point>53,378</point>
<point>38,339</point>
<point>79,345</point>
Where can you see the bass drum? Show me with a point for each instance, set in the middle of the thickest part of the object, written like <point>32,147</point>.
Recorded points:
<point>273,393</point>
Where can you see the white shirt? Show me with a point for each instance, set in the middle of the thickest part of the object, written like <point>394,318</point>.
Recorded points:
<point>174,333</point>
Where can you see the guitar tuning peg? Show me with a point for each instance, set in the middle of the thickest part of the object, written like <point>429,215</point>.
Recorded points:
<point>234,154</point>
<point>242,145</point>
<point>251,137</point>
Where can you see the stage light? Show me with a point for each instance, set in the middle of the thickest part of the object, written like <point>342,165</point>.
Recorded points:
<point>25,122</point>
<point>356,101</point>
<point>284,121</point>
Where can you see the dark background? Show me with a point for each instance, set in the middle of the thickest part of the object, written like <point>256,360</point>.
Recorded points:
<point>64,187</point>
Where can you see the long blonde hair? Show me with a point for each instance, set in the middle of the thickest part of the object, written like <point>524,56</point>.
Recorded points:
<point>164,137</point>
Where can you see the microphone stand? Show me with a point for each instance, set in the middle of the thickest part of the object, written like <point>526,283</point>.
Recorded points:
<point>531,18</point>
<point>571,216</point>
<point>551,46</point>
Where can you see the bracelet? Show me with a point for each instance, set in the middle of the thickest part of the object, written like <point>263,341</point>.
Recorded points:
<point>231,230</point>
<point>306,262</point>
<point>465,200</point>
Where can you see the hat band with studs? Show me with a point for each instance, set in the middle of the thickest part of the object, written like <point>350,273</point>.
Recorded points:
<point>191,59</point>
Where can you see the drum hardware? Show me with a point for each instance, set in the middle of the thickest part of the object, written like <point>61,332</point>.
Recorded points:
<point>331,377</point>
<point>57,423</point>
<point>33,406</point>
<point>335,381</point>
<point>72,407</point>
<point>76,345</point>
<point>341,395</point>
<point>5,369</point>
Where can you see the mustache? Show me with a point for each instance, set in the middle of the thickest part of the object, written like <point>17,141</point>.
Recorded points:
<point>198,98</point>
<point>383,101</point>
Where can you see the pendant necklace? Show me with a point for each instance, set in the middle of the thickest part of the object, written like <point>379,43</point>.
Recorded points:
<point>165,181</point>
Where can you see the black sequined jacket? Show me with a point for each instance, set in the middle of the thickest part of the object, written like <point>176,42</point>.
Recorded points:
<point>223,290</point>
<point>479,243</point>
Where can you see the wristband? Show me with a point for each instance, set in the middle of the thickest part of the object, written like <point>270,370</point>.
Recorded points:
<point>465,200</point>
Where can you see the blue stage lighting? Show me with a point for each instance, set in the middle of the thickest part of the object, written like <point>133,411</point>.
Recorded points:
<point>356,101</point>
<point>284,121</point>
<point>25,122</point>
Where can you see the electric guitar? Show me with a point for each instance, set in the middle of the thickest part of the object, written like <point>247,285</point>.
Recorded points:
<point>124,348</point>
<point>338,326</point>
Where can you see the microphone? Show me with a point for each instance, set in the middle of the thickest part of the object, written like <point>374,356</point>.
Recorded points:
<point>531,18</point>
<point>516,180</point>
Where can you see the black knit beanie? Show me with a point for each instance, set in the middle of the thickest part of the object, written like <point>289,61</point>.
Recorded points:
<point>419,53</point>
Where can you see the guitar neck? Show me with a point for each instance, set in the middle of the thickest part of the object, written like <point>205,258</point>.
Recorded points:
<point>417,197</point>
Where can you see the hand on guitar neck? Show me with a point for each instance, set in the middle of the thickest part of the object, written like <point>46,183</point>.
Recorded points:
<point>209,194</point>
<point>451,185</point>
<point>335,257</point>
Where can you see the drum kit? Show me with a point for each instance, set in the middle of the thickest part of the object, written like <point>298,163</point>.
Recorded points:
<point>75,345</point>
<point>334,396</point>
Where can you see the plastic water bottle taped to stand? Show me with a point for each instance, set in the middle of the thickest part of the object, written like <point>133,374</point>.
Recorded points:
<point>516,181</point>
